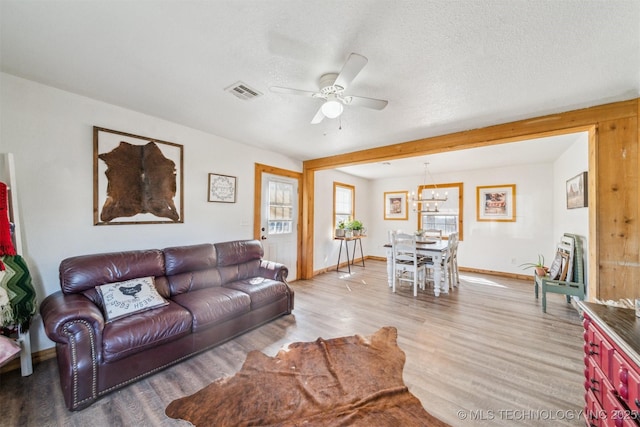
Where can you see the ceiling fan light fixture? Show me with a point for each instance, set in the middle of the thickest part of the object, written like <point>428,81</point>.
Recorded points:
<point>332,108</point>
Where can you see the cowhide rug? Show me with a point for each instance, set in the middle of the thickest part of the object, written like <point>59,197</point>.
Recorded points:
<point>348,381</point>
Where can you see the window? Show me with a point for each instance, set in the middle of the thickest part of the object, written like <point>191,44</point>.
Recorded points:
<point>280,207</point>
<point>447,223</point>
<point>448,218</point>
<point>344,201</point>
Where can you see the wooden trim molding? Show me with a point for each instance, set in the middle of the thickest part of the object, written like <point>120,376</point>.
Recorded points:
<point>551,125</point>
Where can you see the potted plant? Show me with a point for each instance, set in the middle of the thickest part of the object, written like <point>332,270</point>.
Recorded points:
<point>340,229</point>
<point>356,226</point>
<point>539,266</point>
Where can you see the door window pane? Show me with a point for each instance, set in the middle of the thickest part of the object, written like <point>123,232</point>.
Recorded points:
<point>280,207</point>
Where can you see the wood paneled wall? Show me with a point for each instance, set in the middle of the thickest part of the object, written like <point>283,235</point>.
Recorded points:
<point>614,190</point>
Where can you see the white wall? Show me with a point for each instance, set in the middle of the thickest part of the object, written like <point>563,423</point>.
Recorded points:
<point>325,249</point>
<point>572,162</point>
<point>50,133</point>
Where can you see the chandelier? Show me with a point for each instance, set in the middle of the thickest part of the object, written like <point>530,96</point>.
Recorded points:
<point>425,203</point>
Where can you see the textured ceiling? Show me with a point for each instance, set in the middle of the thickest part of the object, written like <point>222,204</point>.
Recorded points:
<point>444,66</point>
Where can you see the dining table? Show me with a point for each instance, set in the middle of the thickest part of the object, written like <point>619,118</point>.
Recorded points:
<point>437,250</point>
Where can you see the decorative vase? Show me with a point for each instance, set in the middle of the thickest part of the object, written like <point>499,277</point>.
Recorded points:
<point>339,232</point>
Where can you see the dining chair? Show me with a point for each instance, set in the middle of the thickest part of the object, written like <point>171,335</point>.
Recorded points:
<point>407,264</point>
<point>451,264</point>
<point>432,233</point>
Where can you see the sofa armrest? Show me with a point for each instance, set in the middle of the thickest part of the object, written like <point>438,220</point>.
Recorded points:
<point>75,323</point>
<point>273,270</point>
<point>60,311</point>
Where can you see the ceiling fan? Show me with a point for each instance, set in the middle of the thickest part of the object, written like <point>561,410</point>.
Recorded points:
<point>332,88</point>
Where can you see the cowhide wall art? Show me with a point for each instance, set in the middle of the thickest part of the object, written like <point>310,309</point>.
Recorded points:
<point>137,180</point>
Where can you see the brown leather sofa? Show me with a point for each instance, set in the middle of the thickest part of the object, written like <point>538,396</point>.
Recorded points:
<point>215,292</point>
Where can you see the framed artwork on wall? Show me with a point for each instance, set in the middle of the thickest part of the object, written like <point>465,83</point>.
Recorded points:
<point>496,203</point>
<point>136,179</point>
<point>577,194</point>
<point>222,188</point>
<point>395,205</point>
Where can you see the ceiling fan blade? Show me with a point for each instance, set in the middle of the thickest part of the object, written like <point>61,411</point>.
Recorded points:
<point>289,91</point>
<point>361,101</point>
<point>318,117</point>
<point>355,63</point>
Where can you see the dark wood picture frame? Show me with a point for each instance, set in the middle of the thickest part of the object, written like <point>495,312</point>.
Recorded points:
<point>222,188</point>
<point>577,193</point>
<point>136,179</point>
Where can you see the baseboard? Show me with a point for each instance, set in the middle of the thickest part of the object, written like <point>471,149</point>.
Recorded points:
<point>497,273</point>
<point>36,357</point>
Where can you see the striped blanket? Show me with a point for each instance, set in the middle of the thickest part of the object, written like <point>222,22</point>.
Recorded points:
<point>17,296</point>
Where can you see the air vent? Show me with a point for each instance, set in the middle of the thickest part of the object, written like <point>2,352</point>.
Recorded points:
<point>243,91</point>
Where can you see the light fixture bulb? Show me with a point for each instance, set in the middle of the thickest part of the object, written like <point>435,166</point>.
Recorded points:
<point>332,108</point>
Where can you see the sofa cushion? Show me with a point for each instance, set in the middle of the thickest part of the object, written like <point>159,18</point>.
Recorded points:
<point>193,281</point>
<point>145,330</point>
<point>181,259</point>
<point>84,272</point>
<point>122,299</point>
<point>261,291</point>
<point>238,252</point>
<point>210,306</point>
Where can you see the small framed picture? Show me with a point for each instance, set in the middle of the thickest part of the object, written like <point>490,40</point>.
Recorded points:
<point>395,205</point>
<point>577,194</point>
<point>496,203</point>
<point>222,188</point>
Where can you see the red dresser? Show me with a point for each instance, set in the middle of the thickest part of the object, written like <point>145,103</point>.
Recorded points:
<point>612,365</point>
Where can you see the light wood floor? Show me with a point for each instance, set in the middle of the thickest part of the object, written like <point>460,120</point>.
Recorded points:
<point>483,355</point>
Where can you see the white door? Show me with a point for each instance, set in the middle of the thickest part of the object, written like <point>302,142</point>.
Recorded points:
<point>279,217</point>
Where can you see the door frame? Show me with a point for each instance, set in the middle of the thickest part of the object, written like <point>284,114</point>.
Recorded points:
<point>257,204</point>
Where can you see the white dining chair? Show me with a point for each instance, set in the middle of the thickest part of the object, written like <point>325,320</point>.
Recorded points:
<point>407,264</point>
<point>432,234</point>
<point>450,262</point>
